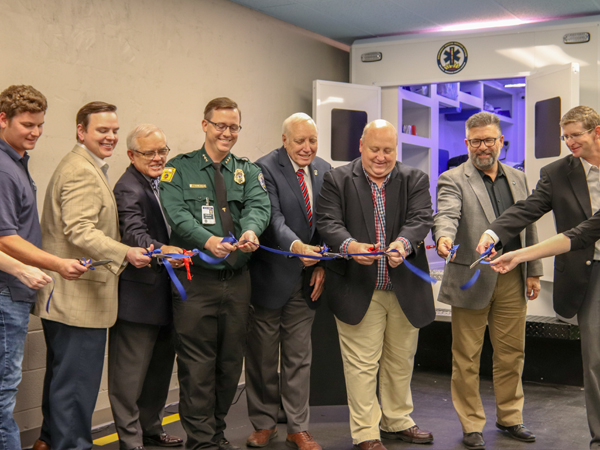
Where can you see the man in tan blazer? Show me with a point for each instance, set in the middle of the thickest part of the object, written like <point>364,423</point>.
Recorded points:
<point>80,219</point>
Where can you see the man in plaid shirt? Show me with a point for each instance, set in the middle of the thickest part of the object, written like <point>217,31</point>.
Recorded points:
<point>377,204</point>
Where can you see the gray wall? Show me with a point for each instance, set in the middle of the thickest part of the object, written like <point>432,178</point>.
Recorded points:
<point>161,62</point>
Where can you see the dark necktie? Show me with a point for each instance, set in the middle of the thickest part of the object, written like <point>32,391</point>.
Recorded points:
<point>154,184</point>
<point>300,175</point>
<point>223,206</point>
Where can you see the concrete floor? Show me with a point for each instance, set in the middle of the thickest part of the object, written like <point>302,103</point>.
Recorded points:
<point>556,414</point>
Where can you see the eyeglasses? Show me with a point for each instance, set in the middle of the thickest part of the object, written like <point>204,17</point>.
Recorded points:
<point>574,136</point>
<point>222,127</point>
<point>150,155</point>
<point>476,143</point>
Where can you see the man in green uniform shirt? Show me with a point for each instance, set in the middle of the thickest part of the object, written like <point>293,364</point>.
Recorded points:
<point>205,195</point>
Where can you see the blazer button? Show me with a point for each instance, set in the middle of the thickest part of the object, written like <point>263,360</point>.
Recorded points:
<point>108,266</point>
<point>588,263</point>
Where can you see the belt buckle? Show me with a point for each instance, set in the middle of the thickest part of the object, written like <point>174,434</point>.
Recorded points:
<point>226,274</point>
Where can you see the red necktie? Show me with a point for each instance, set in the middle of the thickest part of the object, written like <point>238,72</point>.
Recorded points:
<point>304,190</point>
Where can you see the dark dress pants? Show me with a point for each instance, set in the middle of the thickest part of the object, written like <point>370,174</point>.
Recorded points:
<point>589,326</point>
<point>140,364</point>
<point>210,328</point>
<point>284,331</point>
<point>74,361</point>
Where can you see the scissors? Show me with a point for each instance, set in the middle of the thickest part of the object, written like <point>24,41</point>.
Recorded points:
<point>483,255</point>
<point>91,265</point>
<point>452,252</point>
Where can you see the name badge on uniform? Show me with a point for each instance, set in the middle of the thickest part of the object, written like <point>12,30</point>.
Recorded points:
<point>208,215</point>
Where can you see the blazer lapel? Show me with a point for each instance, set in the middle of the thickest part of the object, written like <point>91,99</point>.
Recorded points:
<point>478,186</point>
<point>363,190</point>
<point>578,180</point>
<point>515,189</point>
<point>392,203</point>
<point>290,176</point>
<point>85,155</point>
<point>150,197</point>
<point>316,180</point>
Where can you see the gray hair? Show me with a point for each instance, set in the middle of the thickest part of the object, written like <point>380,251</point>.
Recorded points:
<point>141,131</point>
<point>294,119</point>
<point>482,119</point>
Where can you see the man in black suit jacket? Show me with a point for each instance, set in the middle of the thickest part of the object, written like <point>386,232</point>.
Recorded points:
<point>285,291</point>
<point>141,349</point>
<point>570,187</point>
<point>378,203</point>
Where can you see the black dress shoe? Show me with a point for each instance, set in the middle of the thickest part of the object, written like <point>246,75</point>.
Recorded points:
<point>518,432</point>
<point>473,441</point>
<point>137,448</point>
<point>224,444</point>
<point>163,440</point>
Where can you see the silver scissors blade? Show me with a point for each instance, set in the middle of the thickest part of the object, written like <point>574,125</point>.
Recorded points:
<point>101,262</point>
<point>478,261</point>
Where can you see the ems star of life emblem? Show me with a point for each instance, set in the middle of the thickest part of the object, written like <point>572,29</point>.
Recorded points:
<point>452,57</point>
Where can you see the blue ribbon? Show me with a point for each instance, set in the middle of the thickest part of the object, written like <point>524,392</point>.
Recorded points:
<point>475,276</point>
<point>421,274</point>
<point>195,252</point>
<point>472,281</point>
<point>50,298</point>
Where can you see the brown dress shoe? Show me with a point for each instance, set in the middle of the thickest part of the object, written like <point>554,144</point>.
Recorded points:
<point>302,441</point>
<point>373,444</point>
<point>163,440</point>
<point>413,435</point>
<point>40,445</point>
<point>261,438</point>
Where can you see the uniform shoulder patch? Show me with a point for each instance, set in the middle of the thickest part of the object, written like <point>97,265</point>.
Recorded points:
<point>167,175</point>
<point>261,180</point>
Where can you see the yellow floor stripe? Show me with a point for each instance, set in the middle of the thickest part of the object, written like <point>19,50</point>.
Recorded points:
<point>115,437</point>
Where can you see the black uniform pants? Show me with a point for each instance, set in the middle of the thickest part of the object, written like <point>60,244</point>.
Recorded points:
<point>210,329</point>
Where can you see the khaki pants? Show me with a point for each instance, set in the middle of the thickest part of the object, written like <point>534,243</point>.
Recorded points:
<point>505,315</point>
<point>383,341</point>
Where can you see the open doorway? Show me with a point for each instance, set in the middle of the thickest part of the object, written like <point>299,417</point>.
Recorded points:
<point>432,121</point>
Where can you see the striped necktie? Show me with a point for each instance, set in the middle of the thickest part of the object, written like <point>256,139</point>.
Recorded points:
<point>300,175</point>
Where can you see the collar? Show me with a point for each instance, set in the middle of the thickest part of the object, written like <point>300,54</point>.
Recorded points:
<point>205,160</point>
<point>371,182</point>
<point>99,161</point>
<point>6,148</point>
<point>586,166</point>
<point>296,166</point>
<point>483,174</point>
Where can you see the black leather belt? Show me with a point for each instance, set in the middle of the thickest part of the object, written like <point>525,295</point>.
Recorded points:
<point>220,274</point>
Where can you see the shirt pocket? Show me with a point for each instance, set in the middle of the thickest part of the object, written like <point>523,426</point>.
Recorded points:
<point>197,198</point>
<point>235,199</point>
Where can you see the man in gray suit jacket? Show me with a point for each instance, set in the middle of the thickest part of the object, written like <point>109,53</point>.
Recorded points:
<point>285,291</point>
<point>469,198</point>
<point>141,347</point>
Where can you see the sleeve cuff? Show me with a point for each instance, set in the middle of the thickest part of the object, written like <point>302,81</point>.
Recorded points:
<point>292,244</point>
<point>493,235</point>
<point>407,245</point>
<point>344,246</point>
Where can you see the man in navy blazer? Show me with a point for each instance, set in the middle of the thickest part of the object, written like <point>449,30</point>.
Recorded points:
<point>141,348</point>
<point>285,291</point>
<point>570,188</point>
<point>379,305</point>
